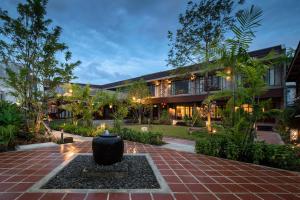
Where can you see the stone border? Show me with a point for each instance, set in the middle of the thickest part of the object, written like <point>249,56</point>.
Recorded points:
<point>164,188</point>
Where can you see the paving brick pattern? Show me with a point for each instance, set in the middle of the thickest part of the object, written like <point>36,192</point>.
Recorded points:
<point>189,176</point>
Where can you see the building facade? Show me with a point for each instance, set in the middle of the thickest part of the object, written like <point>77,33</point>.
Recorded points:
<point>181,94</point>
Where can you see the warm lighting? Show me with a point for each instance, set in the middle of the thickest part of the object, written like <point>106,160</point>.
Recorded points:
<point>132,150</point>
<point>293,135</point>
<point>193,77</point>
<point>228,71</point>
<point>70,90</point>
<point>206,123</point>
<point>110,106</point>
<point>228,78</point>
<point>157,83</point>
<point>214,130</point>
<point>102,126</point>
<point>169,82</point>
<point>154,106</point>
<point>70,152</point>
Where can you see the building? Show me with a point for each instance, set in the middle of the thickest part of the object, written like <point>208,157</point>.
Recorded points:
<point>179,95</point>
<point>4,90</point>
<point>293,93</point>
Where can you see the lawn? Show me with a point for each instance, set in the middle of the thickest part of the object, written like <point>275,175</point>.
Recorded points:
<point>169,131</point>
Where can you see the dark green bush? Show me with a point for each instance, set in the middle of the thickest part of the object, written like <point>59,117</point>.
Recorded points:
<point>73,129</point>
<point>212,145</point>
<point>142,137</point>
<point>280,156</point>
<point>10,124</point>
<point>10,114</point>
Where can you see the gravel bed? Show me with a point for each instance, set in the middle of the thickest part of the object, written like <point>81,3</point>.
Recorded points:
<point>133,172</point>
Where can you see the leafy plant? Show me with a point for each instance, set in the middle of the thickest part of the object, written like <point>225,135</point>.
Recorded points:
<point>7,134</point>
<point>143,137</point>
<point>165,118</point>
<point>10,114</point>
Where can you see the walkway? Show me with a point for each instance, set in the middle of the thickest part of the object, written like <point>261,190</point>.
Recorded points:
<point>269,137</point>
<point>179,144</point>
<point>189,176</point>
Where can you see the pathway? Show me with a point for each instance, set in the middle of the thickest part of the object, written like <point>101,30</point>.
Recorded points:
<point>189,176</point>
<point>269,137</point>
<point>179,144</point>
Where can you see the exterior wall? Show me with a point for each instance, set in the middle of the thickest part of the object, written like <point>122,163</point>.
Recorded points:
<point>4,91</point>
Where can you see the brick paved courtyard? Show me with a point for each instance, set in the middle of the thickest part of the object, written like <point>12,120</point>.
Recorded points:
<point>189,176</point>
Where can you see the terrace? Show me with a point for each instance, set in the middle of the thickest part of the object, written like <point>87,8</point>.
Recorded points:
<point>189,176</point>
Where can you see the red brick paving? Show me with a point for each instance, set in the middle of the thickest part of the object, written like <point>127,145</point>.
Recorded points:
<point>189,176</point>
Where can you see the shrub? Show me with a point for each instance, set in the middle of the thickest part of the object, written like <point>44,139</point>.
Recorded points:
<point>143,137</point>
<point>212,145</point>
<point>165,118</point>
<point>74,129</point>
<point>9,114</point>
<point>224,146</point>
<point>7,134</point>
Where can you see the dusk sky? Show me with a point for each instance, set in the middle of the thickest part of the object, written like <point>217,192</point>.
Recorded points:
<point>120,39</point>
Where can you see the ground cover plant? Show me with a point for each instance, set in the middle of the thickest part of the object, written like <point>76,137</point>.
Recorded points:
<point>148,137</point>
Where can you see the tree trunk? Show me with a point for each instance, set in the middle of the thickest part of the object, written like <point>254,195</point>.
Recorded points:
<point>140,115</point>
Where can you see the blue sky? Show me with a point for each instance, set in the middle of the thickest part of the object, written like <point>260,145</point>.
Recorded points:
<point>120,39</point>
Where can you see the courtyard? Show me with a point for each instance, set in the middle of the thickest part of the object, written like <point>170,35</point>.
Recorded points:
<point>189,176</point>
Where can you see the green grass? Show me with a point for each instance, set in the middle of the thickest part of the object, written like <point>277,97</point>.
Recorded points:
<point>170,131</point>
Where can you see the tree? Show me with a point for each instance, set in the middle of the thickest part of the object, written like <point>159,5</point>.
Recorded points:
<point>202,27</point>
<point>29,52</point>
<point>82,104</point>
<point>138,97</point>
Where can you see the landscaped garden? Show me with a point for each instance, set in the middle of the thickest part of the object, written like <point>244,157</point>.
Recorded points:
<point>40,82</point>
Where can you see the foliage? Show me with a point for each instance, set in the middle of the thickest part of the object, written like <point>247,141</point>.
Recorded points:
<point>10,114</point>
<point>74,129</point>
<point>226,146</point>
<point>7,135</point>
<point>138,95</point>
<point>10,123</point>
<point>28,50</point>
<point>142,137</point>
<point>287,120</point>
<point>82,104</point>
<point>202,28</point>
<point>119,115</point>
<point>165,118</point>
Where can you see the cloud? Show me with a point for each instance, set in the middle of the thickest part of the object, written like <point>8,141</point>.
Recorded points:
<point>119,39</point>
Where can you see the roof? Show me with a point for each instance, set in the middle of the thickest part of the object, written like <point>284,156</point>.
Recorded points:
<point>158,75</point>
<point>294,68</point>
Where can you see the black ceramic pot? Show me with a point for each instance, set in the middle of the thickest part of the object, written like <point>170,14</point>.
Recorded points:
<point>108,149</point>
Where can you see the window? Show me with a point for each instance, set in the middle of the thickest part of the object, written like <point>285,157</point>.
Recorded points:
<point>214,82</point>
<point>152,89</point>
<point>200,85</point>
<point>274,76</point>
<point>180,87</point>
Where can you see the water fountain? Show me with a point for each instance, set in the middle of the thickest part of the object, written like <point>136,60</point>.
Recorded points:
<point>107,149</point>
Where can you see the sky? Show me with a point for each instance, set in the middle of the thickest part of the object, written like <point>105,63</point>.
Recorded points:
<point>121,39</point>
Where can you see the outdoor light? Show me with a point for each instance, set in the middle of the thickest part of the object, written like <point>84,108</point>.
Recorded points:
<point>133,98</point>
<point>102,126</point>
<point>214,130</point>
<point>193,77</point>
<point>294,134</point>
<point>110,106</point>
<point>228,78</point>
